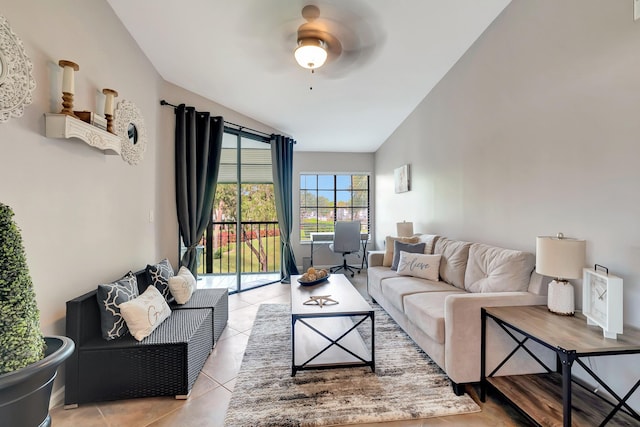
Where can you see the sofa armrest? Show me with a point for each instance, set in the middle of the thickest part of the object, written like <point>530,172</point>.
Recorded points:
<point>375,258</point>
<point>463,330</point>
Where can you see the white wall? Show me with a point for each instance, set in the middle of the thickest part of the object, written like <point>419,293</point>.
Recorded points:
<point>533,132</point>
<point>332,163</point>
<point>84,215</point>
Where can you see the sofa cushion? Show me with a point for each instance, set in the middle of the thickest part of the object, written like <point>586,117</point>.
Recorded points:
<point>493,269</point>
<point>145,313</point>
<point>414,248</point>
<point>388,251</point>
<point>426,311</point>
<point>420,265</point>
<point>110,296</point>
<point>453,263</point>
<point>394,289</point>
<point>375,275</point>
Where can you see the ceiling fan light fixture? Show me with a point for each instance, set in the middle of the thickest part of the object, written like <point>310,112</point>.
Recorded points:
<point>311,53</point>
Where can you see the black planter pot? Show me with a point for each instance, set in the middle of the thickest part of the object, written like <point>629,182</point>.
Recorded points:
<point>25,393</point>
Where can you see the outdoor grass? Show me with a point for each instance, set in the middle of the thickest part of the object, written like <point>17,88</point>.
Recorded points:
<point>248,261</point>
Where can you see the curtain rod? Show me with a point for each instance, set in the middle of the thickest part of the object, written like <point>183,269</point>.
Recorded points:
<point>240,127</point>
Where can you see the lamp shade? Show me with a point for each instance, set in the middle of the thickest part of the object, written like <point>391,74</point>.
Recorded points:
<point>560,257</point>
<point>311,53</point>
<point>404,229</point>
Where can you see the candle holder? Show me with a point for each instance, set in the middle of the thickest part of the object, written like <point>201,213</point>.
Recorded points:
<point>68,85</point>
<point>108,107</point>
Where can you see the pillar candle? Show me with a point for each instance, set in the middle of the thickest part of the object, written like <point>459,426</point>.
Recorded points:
<point>67,80</point>
<point>110,94</point>
<point>108,104</point>
<point>68,69</point>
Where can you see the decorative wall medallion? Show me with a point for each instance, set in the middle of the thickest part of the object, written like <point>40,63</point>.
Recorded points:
<point>129,126</point>
<point>16,78</point>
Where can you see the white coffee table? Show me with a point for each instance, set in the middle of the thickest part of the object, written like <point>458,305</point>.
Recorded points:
<point>326,337</point>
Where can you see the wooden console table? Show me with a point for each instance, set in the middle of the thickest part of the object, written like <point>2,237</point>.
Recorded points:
<point>547,398</point>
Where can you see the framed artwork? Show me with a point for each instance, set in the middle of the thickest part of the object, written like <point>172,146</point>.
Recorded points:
<point>401,179</point>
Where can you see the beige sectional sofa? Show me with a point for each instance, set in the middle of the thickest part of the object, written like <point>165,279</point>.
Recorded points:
<point>443,317</point>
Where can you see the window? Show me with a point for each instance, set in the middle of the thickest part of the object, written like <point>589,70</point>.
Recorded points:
<point>325,199</point>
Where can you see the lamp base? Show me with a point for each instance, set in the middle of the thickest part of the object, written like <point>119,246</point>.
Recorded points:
<point>560,298</point>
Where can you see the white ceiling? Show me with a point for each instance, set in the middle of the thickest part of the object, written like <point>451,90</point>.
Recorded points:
<point>240,54</point>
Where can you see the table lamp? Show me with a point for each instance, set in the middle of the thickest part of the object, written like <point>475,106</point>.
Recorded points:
<point>404,229</point>
<point>562,258</point>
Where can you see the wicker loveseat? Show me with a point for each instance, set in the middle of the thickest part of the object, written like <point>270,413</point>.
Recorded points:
<point>166,363</point>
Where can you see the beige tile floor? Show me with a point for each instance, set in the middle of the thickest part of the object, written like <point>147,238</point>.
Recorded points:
<point>212,391</point>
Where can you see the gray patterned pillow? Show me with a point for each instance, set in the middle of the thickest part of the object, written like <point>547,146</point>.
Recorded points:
<point>159,274</point>
<point>109,297</point>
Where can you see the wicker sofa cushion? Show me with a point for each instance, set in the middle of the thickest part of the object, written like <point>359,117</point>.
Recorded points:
<point>109,297</point>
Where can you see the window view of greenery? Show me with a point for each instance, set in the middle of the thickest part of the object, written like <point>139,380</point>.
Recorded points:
<point>247,239</point>
<point>259,233</point>
<point>325,199</point>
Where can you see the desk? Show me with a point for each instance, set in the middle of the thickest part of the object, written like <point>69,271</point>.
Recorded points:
<point>326,237</point>
<point>547,398</point>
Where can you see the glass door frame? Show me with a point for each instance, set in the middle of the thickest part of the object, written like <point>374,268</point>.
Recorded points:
<point>239,133</point>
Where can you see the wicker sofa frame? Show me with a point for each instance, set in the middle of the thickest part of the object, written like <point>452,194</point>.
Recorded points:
<point>166,363</point>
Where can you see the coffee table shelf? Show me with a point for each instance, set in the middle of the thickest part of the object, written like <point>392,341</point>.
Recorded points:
<point>308,345</point>
<point>328,336</point>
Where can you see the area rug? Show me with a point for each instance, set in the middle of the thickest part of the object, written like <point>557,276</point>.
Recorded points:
<point>407,384</point>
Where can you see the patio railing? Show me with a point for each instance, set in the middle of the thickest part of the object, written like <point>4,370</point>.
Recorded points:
<point>258,247</point>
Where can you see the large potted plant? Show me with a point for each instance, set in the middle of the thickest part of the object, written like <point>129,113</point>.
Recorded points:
<point>28,361</point>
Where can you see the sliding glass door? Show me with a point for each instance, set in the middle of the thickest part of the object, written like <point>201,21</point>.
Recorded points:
<point>242,242</point>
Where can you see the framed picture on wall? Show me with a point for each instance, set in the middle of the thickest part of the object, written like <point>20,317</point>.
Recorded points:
<point>401,179</point>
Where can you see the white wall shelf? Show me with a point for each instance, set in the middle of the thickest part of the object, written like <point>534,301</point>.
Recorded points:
<point>65,126</point>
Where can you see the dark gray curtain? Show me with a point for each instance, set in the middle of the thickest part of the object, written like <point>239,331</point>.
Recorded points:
<point>282,164</point>
<point>198,147</point>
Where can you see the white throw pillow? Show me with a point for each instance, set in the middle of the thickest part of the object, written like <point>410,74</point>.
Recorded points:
<point>419,265</point>
<point>182,285</point>
<point>144,313</point>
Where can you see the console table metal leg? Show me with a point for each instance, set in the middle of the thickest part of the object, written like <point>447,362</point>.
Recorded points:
<point>373,340</point>
<point>293,345</point>
<point>483,349</point>
<point>566,359</point>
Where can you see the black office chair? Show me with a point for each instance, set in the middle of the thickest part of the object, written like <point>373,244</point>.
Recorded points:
<point>346,241</point>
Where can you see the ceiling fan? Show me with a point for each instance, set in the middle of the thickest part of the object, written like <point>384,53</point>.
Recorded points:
<point>350,32</point>
<point>314,41</point>
<point>344,36</point>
